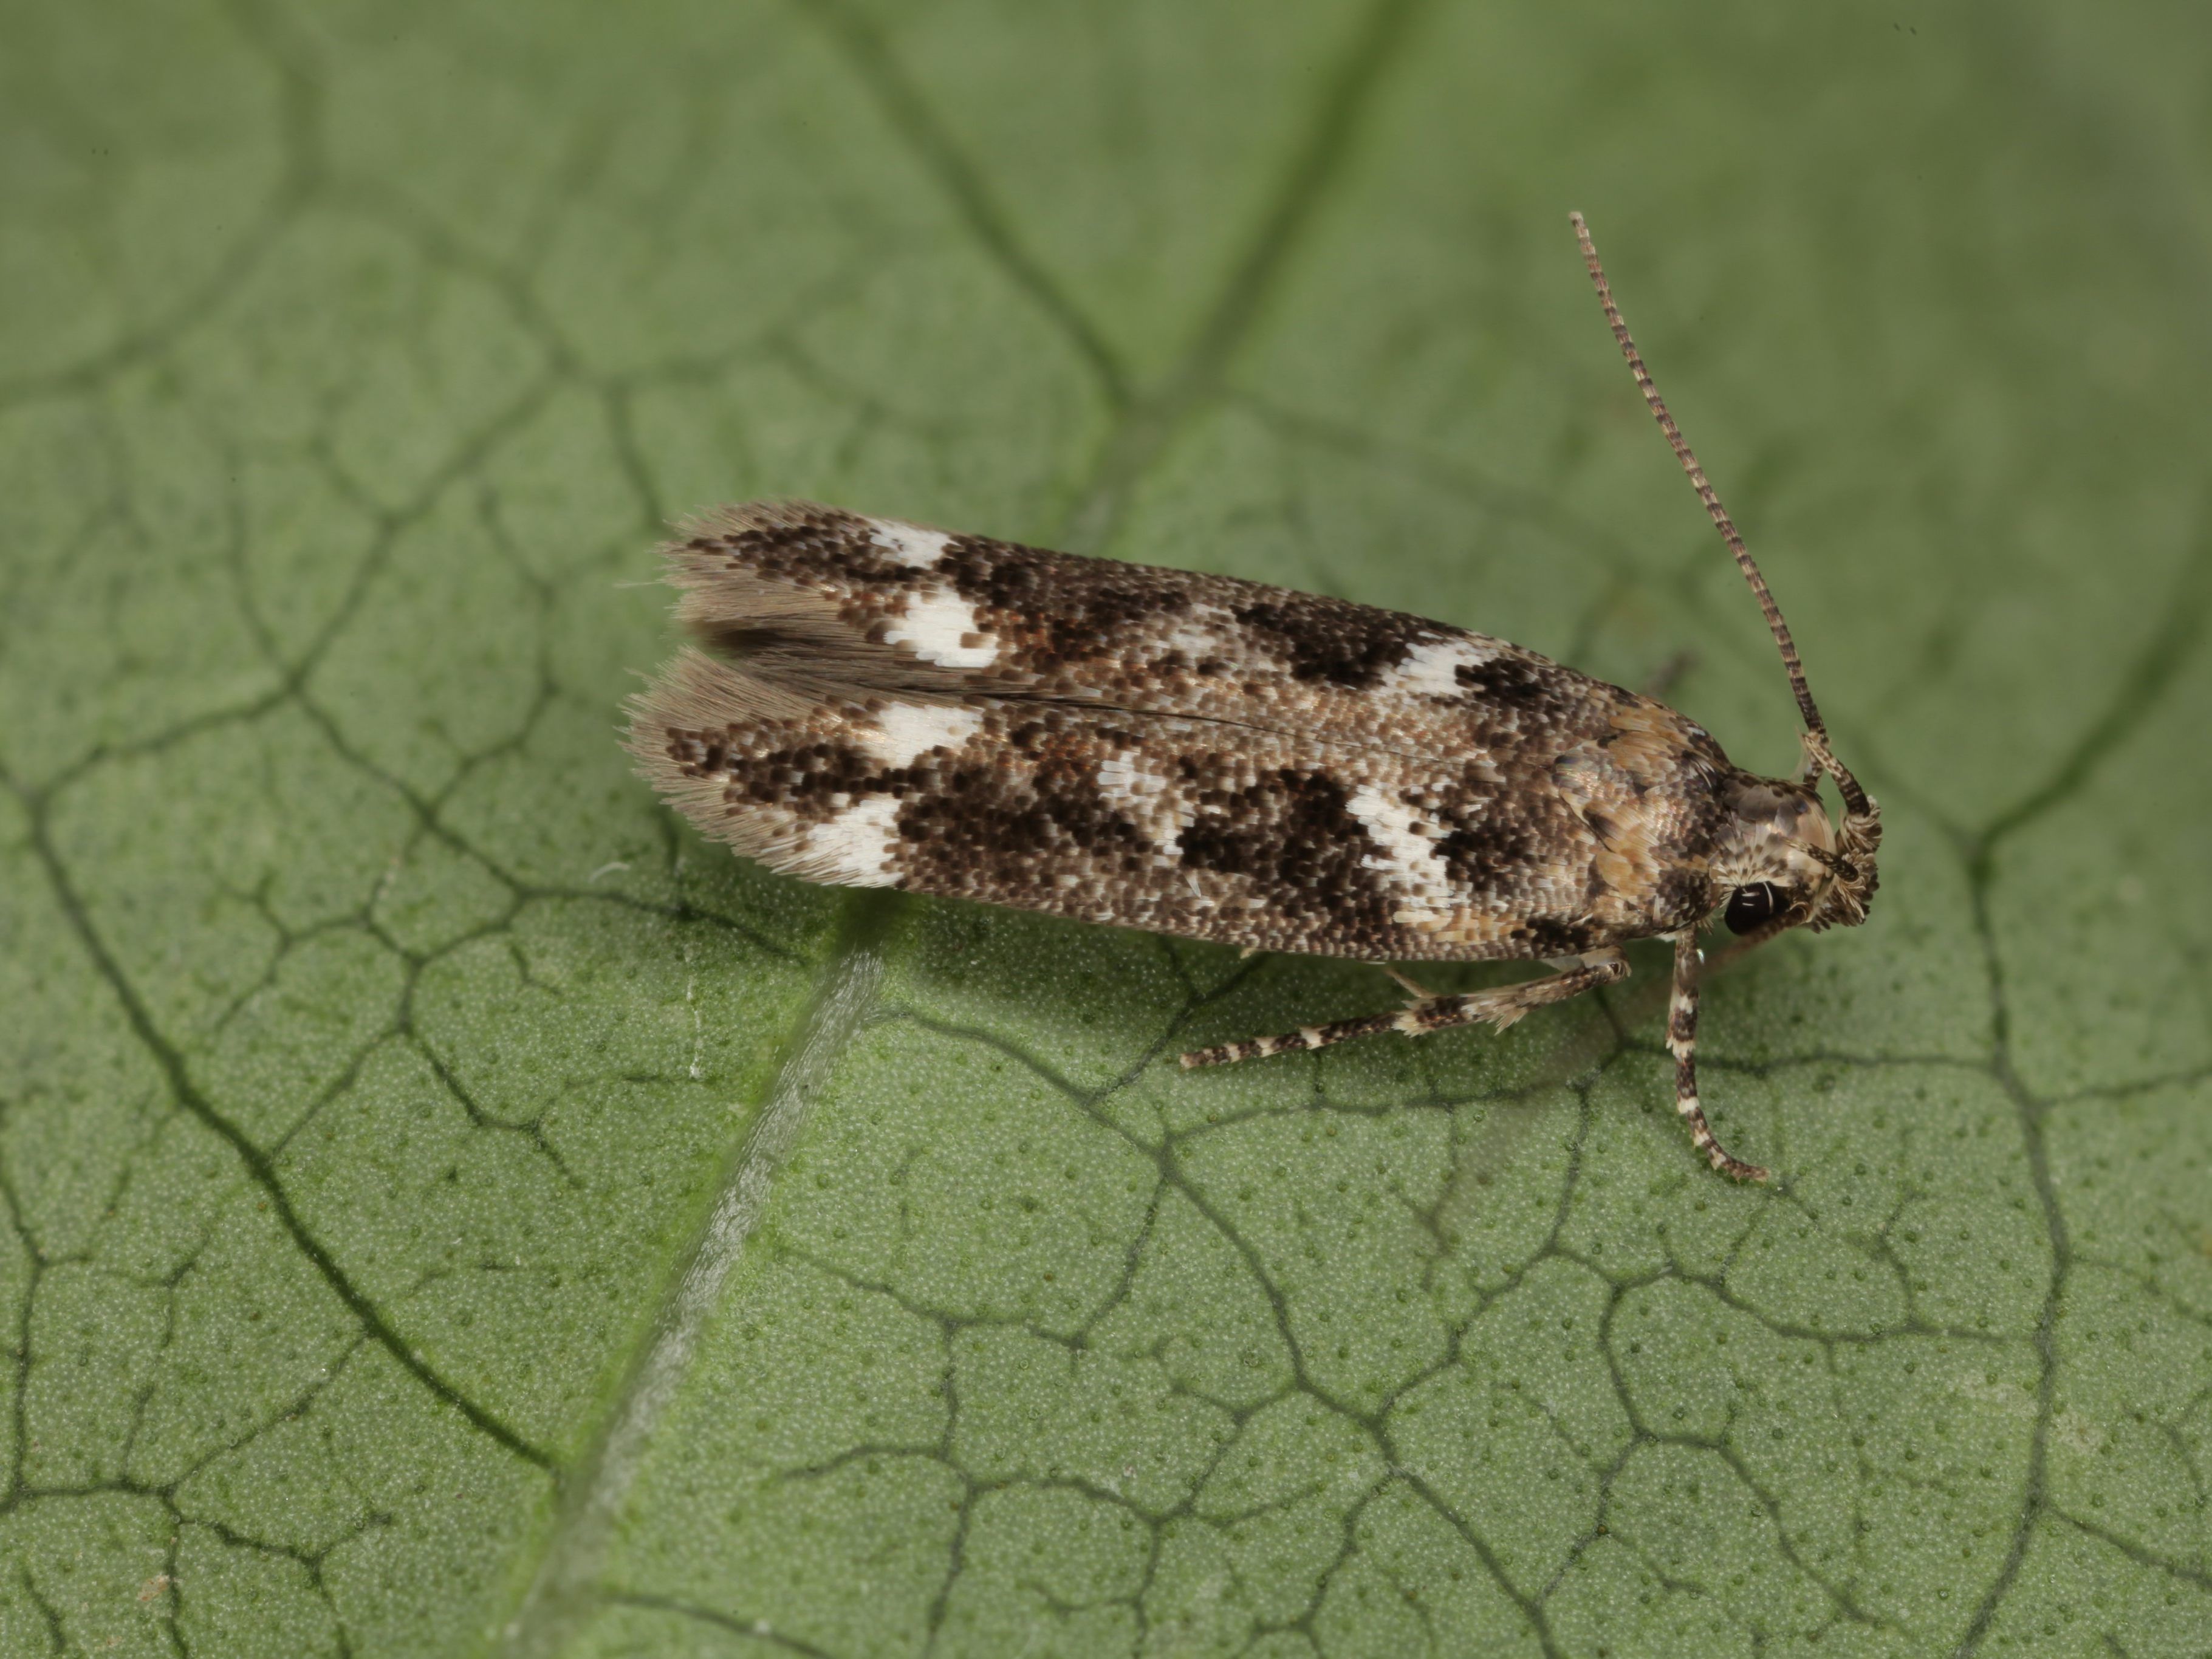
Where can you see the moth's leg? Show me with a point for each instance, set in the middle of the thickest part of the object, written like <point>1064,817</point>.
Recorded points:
<point>1682,1043</point>
<point>1743,947</point>
<point>1405,982</point>
<point>1500,1006</point>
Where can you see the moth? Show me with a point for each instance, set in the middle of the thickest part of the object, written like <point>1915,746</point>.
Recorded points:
<point>869,702</point>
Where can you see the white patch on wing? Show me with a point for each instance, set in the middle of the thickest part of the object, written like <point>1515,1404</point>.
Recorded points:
<point>908,544</point>
<point>1143,796</point>
<point>853,849</point>
<point>937,624</point>
<point>1202,634</point>
<point>904,732</point>
<point>1409,858</point>
<point>1431,669</point>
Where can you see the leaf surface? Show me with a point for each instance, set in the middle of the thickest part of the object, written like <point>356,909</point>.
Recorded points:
<point>450,1209</point>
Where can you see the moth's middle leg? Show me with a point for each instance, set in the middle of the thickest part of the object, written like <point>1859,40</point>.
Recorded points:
<point>1405,982</point>
<point>1500,1006</point>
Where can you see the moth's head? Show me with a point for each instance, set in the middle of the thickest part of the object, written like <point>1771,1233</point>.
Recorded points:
<point>1785,864</point>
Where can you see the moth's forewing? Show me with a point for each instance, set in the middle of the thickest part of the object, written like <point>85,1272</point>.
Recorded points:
<point>883,704</point>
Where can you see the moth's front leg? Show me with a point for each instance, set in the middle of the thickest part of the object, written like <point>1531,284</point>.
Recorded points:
<point>1682,1043</point>
<point>1501,1007</point>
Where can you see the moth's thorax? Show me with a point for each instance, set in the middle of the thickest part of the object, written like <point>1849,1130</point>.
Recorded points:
<point>1773,831</point>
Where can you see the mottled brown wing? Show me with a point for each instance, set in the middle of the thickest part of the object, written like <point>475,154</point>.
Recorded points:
<point>829,599</point>
<point>1178,825</point>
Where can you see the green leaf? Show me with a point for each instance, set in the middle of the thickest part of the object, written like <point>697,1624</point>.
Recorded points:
<point>450,1209</point>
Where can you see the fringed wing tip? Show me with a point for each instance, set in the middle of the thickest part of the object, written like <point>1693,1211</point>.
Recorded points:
<point>670,706</point>
<point>735,518</point>
<point>677,714</point>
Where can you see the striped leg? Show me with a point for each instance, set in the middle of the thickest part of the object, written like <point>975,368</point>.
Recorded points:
<point>1738,949</point>
<point>1682,1043</point>
<point>1501,1007</point>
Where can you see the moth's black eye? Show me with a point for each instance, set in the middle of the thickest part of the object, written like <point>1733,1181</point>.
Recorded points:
<point>1748,906</point>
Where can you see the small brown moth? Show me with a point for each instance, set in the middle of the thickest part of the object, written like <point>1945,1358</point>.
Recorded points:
<point>878,704</point>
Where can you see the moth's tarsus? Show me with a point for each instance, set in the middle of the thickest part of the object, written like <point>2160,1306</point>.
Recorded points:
<point>1405,982</point>
<point>1499,1007</point>
<point>1682,1043</point>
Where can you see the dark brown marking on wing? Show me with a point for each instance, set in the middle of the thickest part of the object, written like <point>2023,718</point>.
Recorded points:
<point>1332,640</point>
<point>1292,834</point>
<point>804,541</point>
<point>1490,850</point>
<point>1060,610</point>
<point>793,770</point>
<point>979,816</point>
<point>1545,937</point>
<point>1516,683</point>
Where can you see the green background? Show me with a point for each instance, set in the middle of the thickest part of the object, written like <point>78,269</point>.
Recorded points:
<point>446,1207</point>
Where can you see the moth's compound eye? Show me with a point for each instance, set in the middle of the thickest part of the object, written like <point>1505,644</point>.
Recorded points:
<point>1748,907</point>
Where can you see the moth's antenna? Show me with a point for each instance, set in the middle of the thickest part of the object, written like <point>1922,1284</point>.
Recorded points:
<point>1854,797</point>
